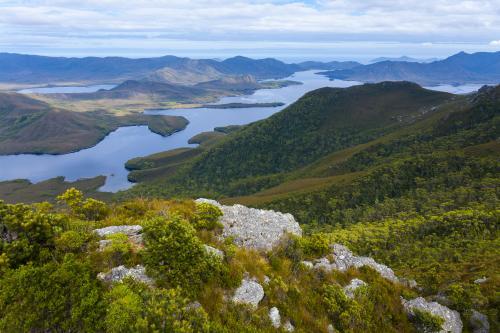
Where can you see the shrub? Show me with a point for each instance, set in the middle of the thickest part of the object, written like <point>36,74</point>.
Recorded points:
<point>427,322</point>
<point>206,216</point>
<point>89,209</point>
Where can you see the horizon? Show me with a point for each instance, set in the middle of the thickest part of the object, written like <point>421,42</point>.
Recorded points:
<point>289,30</point>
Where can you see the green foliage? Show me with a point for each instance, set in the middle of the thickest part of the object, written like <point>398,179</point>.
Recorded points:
<point>175,255</point>
<point>316,245</point>
<point>206,216</point>
<point>56,297</point>
<point>27,235</point>
<point>427,322</point>
<point>89,209</point>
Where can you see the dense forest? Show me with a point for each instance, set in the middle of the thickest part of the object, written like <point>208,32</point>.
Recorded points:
<point>406,176</point>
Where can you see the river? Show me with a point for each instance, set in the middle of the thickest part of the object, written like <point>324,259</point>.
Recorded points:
<point>109,156</point>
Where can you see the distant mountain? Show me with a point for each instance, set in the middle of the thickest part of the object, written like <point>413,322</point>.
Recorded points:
<point>460,68</point>
<point>31,126</point>
<point>332,65</point>
<point>32,69</point>
<point>403,58</point>
<point>232,83</point>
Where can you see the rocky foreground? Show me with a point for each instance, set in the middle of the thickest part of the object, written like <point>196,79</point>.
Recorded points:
<point>262,230</point>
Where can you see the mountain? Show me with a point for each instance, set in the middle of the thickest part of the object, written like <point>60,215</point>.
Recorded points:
<point>232,83</point>
<point>321,122</point>
<point>31,126</point>
<point>32,69</point>
<point>332,65</point>
<point>462,68</point>
<point>404,58</point>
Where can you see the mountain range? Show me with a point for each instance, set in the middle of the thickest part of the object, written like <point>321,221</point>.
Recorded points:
<point>461,68</point>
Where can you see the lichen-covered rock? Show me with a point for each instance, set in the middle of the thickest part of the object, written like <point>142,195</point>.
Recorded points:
<point>213,251</point>
<point>117,274</point>
<point>129,230</point>
<point>255,228</point>
<point>481,280</point>
<point>250,292</point>
<point>479,322</point>
<point>274,316</point>
<point>352,286</point>
<point>343,259</point>
<point>452,322</point>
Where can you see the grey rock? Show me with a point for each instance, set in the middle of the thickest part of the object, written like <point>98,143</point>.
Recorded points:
<point>274,316</point>
<point>481,280</point>
<point>452,322</point>
<point>307,264</point>
<point>129,230</point>
<point>350,289</point>
<point>213,251</point>
<point>330,329</point>
<point>288,326</point>
<point>479,322</point>
<point>117,274</point>
<point>250,292</point>
<point>266,280</point>
<point>255,228</point>
<point>103,244</point>
<point>343,259</point>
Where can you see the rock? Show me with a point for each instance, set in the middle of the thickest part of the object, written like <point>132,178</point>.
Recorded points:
<point>213,251</point>
<point>274,316</point>
<point>307,264</point>
<point>479,322</point>
<point>452,322</point>
<point>103,244</point>
<point>250,292</point>
<point>266,280</point>
<point>343,259</point>
<point>129,230</point>
<point>409,283</point>
<point>352,286</point>
<point>255,228</point>
<point>117,274</point>
<point>288,326</point>
<point>481,280</point>
<point>330,329</point>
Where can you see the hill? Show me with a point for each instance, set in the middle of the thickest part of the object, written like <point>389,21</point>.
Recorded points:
<point>31,126</point>
<point>461,68</point>
<point>321,122</point>
<point>403,58</point>
<point>32,69</point>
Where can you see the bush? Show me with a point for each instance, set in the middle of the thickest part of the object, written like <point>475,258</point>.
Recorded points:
<point>89,209</point>
<point>427,322</point>
<point>206,216</point>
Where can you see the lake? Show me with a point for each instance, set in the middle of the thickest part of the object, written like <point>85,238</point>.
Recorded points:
<point>66,89</point>
<point>108,157</point>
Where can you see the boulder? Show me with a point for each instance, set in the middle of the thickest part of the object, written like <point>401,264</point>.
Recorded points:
<point>117,274</point>
<point>481,280</point>
<point>452,322</point>
<point>343,259</point>
<point>274,316</point>
<point>350,289</point>
<point>330,328</point>
<point>255,228</point>
<point>129,230</point>
<point>479,322</point>
<point>250,292</point>
<point>213,251</point>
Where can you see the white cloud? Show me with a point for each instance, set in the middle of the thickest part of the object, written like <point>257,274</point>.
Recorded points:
<point>495,43</point>
<point>419,21</point>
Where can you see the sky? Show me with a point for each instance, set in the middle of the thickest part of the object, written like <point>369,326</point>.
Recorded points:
<point>286,29</point>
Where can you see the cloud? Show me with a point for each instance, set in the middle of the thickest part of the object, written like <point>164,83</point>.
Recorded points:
<point>313,21</point>
<point>495,43</point>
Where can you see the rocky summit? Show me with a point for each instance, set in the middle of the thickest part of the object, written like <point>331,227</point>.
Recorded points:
<point>255,228</point>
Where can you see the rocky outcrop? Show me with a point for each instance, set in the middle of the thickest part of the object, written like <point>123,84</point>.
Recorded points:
<point>133,232</point>
<point>479,322</point>
<point>213,251</point>
<point>255,228</point>
<point>117,274</point>
<point>350,289</point>
<point>452,322</point>
<point>342,259</point>
<point>250,292</point>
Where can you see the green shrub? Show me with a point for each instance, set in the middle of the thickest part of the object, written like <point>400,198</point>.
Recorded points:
<point>206,216</point>
<point>427,322</point>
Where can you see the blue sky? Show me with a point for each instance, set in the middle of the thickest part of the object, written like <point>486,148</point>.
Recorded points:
<point>315,29</point>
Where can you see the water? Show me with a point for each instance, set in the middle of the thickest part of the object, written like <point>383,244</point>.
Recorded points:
<point>66,90</point>
<point>109,156</point>
<point>462,89</point>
